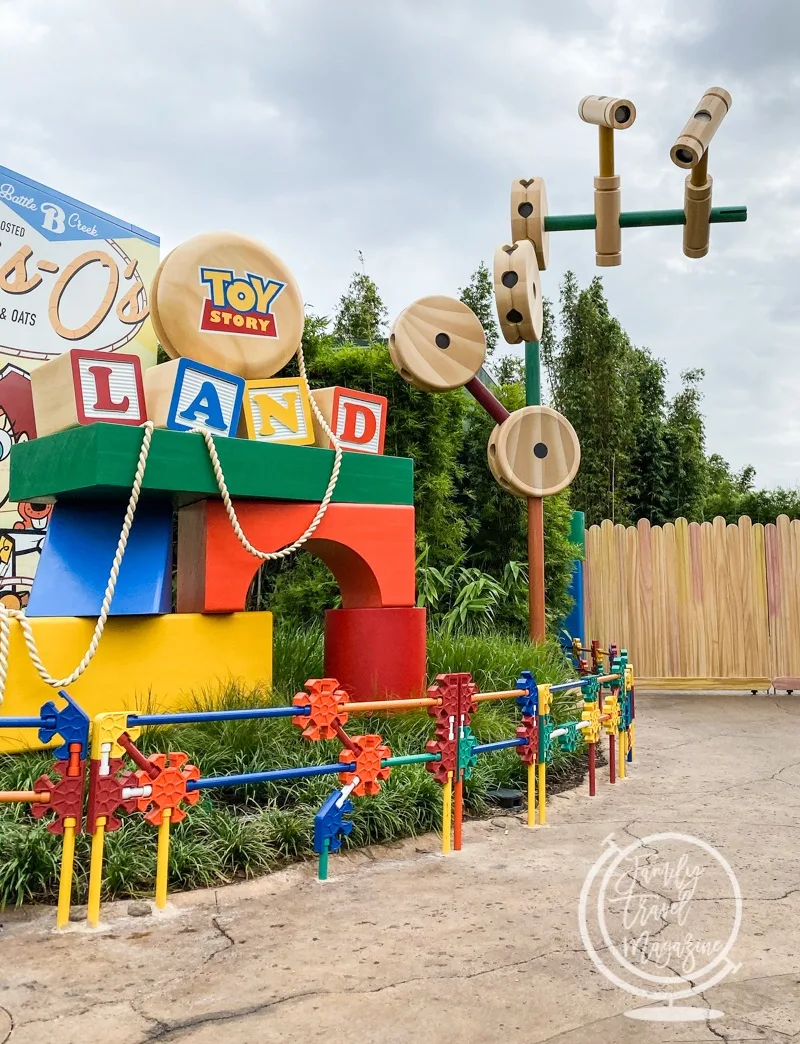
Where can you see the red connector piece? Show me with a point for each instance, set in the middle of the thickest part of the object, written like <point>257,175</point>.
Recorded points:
<point>528,730</point>
<point>105,794</point>
<point>168,787</point>
<point>324,697</point>
<point>66,795</point>
<point>366,757</point>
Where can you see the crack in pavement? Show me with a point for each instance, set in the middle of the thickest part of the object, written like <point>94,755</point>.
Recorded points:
<point>167,1031</point>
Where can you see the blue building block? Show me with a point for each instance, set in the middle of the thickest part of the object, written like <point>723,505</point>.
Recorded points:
<point>204,397</point>
<point>76,559</point>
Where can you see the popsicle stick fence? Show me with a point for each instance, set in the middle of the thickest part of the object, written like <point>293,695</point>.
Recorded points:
<point>699,605</point>
<point>163,786</point>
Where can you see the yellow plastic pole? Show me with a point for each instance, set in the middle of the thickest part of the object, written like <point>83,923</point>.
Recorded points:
<point>633,740</point>
<point>606,152</point>
<point>542,793</point>
<point>622,752</point>
<point>96,872</point>
<point>447,797</point>
<point>162,861</point>
<point>67,866</point>
<point>531,795</point>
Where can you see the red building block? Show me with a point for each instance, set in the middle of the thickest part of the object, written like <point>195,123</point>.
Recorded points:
<point>369,548</point>
<point>376,654</point>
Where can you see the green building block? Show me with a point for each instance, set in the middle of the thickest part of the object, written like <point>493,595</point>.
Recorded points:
<point>98,461</point>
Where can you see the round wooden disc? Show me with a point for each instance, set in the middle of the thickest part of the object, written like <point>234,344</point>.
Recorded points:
<point>437,344</point>
<point>246,316</point>
<point>535,452</point>
<point>518,292</point>
<point>528,211</point>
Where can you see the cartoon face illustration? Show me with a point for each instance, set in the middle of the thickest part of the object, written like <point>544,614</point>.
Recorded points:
<point>34,516</point>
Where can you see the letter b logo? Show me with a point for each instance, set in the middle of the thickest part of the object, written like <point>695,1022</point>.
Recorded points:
<point>54,217</point>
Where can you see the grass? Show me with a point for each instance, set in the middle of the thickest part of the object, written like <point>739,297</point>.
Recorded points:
<point>247,831</point>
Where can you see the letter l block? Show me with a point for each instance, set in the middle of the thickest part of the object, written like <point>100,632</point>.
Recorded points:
<point>83,387</point>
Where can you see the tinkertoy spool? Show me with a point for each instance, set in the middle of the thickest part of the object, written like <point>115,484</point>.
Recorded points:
<point>528,211</point>
<point>535,453</point>
<point>518,292</point>
<point>254,325</point>
<point>437,344</point>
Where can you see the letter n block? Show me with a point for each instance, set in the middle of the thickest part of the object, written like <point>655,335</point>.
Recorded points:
<point>278,410</point>
<point>357,418</point>
<point>82,387</point>
<point>183,395</point>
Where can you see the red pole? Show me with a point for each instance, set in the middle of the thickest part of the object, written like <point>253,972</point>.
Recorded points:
<point>592,775</point>
<point>536,568</point>
<point>612,758</point>
<point>458,814</point>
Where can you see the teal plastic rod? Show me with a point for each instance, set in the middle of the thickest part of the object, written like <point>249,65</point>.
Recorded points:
<point>533,374</point>
<point>640,219</point>
<point>410,759</point>
<point>323,860</point>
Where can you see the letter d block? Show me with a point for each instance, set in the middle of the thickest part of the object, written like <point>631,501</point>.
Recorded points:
<point>357,418</point>
<point>183,395</point>
<point>82,387</point>
<point>278,410</point>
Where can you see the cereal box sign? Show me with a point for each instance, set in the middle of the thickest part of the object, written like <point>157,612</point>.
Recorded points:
<point>70,276</point>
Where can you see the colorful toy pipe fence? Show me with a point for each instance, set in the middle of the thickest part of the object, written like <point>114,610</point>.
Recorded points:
<point>163,786</point>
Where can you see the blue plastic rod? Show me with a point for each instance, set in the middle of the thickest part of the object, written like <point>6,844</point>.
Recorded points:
<point>486,748</point>
<point>267,777</point>
<point>565,686</point>
<point>190,717</point>
<point>25,723</point>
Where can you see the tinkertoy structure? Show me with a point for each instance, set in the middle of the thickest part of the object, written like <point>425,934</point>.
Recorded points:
<point>241,455</point>
<point>162,786</point>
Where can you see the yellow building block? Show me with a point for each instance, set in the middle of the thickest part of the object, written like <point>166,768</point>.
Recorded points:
<point>145,663</point>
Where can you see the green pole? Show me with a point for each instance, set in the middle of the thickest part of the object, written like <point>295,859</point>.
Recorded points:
<point>410,759</point>
<point>640,219</point>
<point>533,375</point>
<point>323,860</point>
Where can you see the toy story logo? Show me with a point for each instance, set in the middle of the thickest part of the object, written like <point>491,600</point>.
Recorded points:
<point>239,305</point>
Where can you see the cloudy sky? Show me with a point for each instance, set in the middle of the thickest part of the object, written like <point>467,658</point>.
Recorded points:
<point>396,128</point>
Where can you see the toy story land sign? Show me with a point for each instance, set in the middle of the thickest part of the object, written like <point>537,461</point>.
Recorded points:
<point>70,276</point>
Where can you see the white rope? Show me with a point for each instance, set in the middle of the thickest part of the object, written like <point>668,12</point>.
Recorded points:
<point>7,615</point>
<point>271,556</point>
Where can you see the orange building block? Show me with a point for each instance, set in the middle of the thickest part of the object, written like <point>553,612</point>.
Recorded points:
<point>369,548</point>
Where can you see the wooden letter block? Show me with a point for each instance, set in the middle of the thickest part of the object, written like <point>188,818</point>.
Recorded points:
<point>357,418</point>
<point>183,395</point>
<point>82,387</point>
<point>278,410</point>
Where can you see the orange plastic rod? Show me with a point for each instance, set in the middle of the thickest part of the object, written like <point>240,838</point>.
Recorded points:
<point>608,677</point>
<point>376,705</point>
<point>25,795</point>
<point>507,694</point>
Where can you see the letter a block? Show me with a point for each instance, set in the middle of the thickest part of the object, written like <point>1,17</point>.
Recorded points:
<point>82,386</point>
<point>278,410</point>
<point>183,395</point>
<point>357,418</point>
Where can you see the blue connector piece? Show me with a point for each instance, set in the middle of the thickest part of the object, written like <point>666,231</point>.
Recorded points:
<point>529,703</point>
<point>330,824</point>
<point>71,723</point>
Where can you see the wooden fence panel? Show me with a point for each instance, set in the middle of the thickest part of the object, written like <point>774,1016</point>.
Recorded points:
<point>705,605</point>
